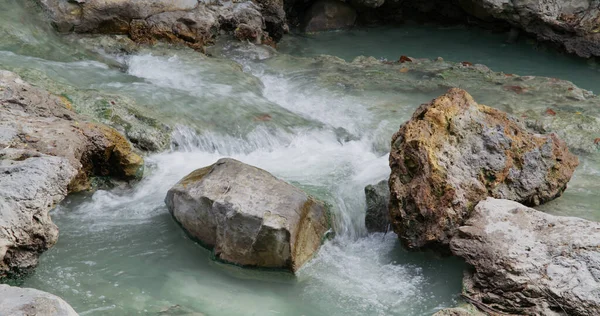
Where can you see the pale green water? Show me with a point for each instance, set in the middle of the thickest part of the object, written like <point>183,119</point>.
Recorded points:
<point>120,253</point>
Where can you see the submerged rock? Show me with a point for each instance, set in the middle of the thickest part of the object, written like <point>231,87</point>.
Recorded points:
<point>47,151</point>
<point>17,301</point>
<point>184,21</point>
<point>454,153</point>
<point>248,216</point>
<point>326,15</point>
<point>527,262</point>
<point>377,218</point>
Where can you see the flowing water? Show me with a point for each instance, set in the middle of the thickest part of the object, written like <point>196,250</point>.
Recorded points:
<point>119,251</point>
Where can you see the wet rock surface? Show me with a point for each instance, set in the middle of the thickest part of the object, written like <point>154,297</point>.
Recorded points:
<point>377,218</point>
<point>527,262</point>
<point>453,153</point>
<point>327,15</point>
<point>47,151</point>
<point>248,216</point>
<point>17,301</point>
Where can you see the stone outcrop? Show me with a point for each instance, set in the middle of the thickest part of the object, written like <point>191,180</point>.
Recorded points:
<point>183,21</point>
<point>454,153</point>
<point>377,218</point>
<point>17,301</point>
<point>248,216</point>
<point>47,151</point>
<point>573,24</point>
<point>326,15</point>
<point>527,262</point>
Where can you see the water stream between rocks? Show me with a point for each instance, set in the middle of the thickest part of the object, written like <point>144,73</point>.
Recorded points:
<point>120,252</point>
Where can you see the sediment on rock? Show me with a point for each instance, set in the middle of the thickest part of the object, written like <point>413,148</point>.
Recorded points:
<point>454,153</point>
<point>249,217</point>
<point>46,152</point>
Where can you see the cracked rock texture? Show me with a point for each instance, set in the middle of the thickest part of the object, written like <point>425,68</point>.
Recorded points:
<point>47,151</point>
<point>188,22</point>
<point>527,262</point>
<point>248,216</point>
<point>454,153</point>
<point>17,301</point>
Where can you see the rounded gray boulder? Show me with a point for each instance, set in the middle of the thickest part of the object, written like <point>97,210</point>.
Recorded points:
<point>249,217</point>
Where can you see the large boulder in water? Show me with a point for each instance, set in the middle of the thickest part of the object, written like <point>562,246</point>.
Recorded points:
<point>47,151</point>
<point>17,301</point>
<point>454,153</point>
<point>248,216</point>
<point>527,262</point>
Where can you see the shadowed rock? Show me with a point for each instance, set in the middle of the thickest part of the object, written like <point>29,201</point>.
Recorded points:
<point>377,218</point>
<point>248,216</point>
<point>326,15</point>
<point>454,153</point>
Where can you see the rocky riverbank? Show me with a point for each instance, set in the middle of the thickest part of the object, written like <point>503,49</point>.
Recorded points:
<point>46,152</point>
<point>449,162</point>
<point>572,25</point>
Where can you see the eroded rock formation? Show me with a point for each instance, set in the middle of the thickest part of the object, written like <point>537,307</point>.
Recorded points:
<point>188,22</point>
<point>47,151</point>
<point>454,153</point>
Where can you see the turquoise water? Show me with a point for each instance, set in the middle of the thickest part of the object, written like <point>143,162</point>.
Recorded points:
<point>120,253</point>
<point>457,43</point>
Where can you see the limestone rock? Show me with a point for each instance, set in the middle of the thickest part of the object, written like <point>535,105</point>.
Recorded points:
<point>187,22</point>
<point>248,216</point>
<point>326,15</point>
<point>454,153</point>
<point>47,151</point>
<point>377,218</point>
<point>17,301</point>
<point>527,262</point>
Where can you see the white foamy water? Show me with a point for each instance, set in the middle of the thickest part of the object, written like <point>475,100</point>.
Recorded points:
<point>120,252</point>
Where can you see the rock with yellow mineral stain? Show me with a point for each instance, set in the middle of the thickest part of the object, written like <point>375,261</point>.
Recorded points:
<point>454,153</point>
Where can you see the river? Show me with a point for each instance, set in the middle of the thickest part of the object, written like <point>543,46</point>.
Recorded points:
<point>120,252</point>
